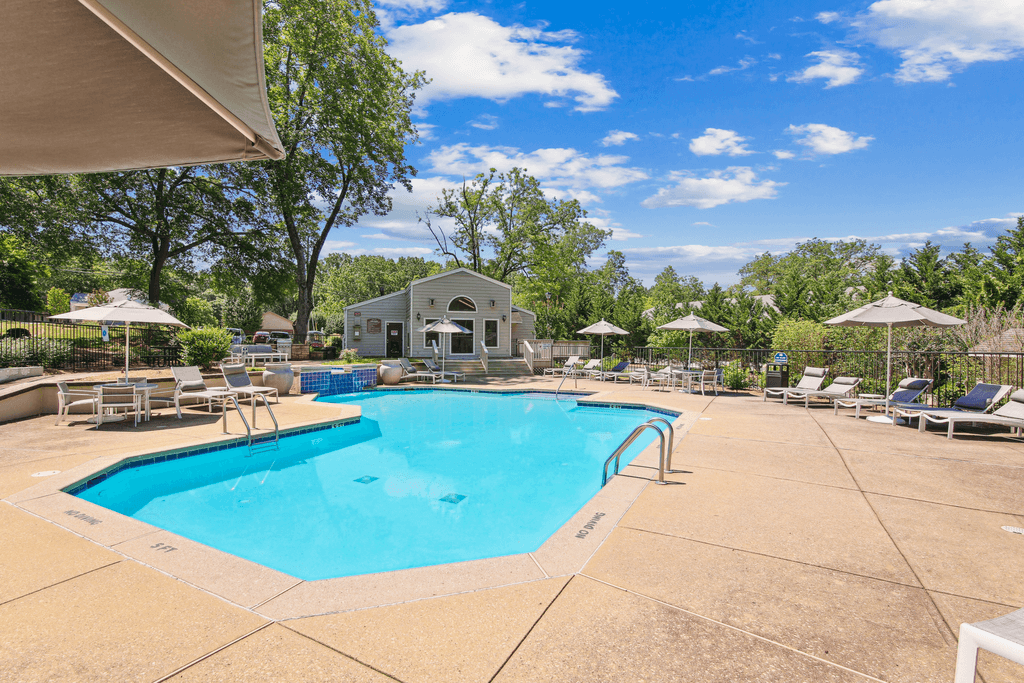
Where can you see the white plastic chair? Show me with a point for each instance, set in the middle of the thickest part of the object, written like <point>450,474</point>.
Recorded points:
<point>66,401</point>
<point>119,396</point>
<point>1003,635</point>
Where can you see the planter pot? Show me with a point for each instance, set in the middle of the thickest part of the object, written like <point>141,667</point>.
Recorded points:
<point>389,374</point>
<point>279,376</point>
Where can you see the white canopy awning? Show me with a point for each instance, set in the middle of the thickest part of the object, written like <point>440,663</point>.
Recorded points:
<point>105,85</point>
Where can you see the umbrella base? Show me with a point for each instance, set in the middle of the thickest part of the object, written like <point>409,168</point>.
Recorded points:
<point>107,418</point>
<point>882,419</point>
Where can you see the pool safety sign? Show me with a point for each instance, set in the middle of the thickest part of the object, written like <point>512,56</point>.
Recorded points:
<point>780,357</point>
<point>106,333</point>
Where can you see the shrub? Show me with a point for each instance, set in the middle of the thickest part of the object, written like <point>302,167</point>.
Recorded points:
<point>57,301</point>
<point>349,356</point>
<point>97,298</point>
<point>204,345</point>
<point>49,353</point>
<point>736,376</point>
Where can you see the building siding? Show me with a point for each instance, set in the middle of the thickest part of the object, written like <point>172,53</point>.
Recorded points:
<point>442,290</point>
<point>392,308</point>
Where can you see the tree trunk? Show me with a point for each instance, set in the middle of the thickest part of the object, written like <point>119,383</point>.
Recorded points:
<point>159,260</point>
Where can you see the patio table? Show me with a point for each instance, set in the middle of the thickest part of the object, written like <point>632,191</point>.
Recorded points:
<point>686,376</point>
<point>144,389</point>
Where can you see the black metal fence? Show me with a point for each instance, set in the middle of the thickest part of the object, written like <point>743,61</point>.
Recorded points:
<point>953,373</point>
<point>29,338</point>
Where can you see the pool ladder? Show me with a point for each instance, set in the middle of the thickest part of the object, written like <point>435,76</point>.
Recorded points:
<point>261,445</point>
<point>664,462</point>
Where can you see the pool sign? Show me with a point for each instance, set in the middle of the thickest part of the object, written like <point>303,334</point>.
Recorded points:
<point>780,357</point>
<point>106,333</point>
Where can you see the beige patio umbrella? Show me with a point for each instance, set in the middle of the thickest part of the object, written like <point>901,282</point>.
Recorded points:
<point>891,312</point>
<point>692,323</point>
<point>105,85</point>
<point>603,328</point>
<point>444,326</point>
<point>127,312</point>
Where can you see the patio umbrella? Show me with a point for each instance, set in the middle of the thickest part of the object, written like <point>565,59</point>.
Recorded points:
<point>603,328</point>
<point>105,85</point>
<point>444,325</point>
<point>692,323</point>
<point>127,311</point>
<point>891,312</point>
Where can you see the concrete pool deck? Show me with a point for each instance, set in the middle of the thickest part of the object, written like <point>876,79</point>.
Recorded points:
<point>794,546</point>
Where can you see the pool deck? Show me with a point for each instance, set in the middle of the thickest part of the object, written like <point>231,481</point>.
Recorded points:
<point>794,546</point>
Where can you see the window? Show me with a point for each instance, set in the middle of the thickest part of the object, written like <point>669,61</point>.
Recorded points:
<point>461,303</point>
<point>431,336</point>
<point>490,333</point>
<point>462,342</point>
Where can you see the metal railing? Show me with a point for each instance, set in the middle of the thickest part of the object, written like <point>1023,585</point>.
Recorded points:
<point>483,356</point>
<point>633,436</point>
<point>528,354</point>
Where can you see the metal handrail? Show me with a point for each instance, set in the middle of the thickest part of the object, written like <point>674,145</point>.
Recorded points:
<point>277,428</point>
<point>633,436</point>
<point>231,397</point>
<point>671,440</point>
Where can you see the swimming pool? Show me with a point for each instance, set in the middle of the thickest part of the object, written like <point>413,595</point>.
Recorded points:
<point>426,477</point>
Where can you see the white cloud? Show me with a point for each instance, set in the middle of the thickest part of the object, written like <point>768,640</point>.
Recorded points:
<point>485,122</point>
<point>337,245</point>
<point>939,37</point>
<point>618,137</point>
<point>426,131</point>
<point>823,139</point>
<point>718,141</point>
<point>470,55</point>
<point>555,167</point>
<point>783,154</point>
<point>743,65</point>
<point>395,252</point>
<point>838,67</point>
<point>742,35</point>
<point>413,5</point>
<point>704,223</point>
<point>734,184</point>
<point>622,234</point>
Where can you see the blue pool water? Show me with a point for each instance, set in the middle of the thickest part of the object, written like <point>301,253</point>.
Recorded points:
<point>426,477</point>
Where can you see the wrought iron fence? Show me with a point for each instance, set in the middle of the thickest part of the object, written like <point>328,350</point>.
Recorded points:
<point>953,373</point>
<point>29,338</point>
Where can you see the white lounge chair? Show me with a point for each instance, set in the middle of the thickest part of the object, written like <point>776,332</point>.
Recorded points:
<point>411,371</point>
<point>569,365</point>
<point>236,379</point>
<point>587,369</point>
<point>1010,415</point>
<point>811,381</point>
<point>908,391</point>
<point>436,369</point>
<point>1003,635</point>
<point>620,370</point>
<point>980,399</point>
<point>189,384</point>
<point>841,387</point>
<point>66,401</point>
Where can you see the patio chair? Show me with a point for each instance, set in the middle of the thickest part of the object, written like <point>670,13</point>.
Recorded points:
<point>980,399</point>
<point>663,377</point>
<point>411,371</point>
<point>189,384</point>
<point>113,397</point>
<point>908,391</point>
<point>841,387</point>
<point>1010,415</point>
<point>436,369</point>
<point>587,370</point>
<point>569,365</point>
<point>1003,636</point>
<point>66,401</point>
<point>616,372</point>
<point>236,378</point>
<point>810,381</point>
<point>709,378</point>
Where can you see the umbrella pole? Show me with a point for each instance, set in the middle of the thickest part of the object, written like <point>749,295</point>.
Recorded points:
<point>602,351</point>
<point>127,339</point>
<point>689,358</point>
<point>888,368</point>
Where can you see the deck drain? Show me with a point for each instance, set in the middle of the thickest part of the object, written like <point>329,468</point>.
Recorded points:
<point>366,480</point>
<point>453,498</point>
<point>1014,529</point>
<point>46,473</point>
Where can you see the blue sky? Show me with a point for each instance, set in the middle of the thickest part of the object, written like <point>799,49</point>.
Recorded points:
<point>704,134</point>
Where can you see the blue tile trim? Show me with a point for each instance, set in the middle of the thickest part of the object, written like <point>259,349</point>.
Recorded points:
<point>333,382</point>
<point>141,461</point>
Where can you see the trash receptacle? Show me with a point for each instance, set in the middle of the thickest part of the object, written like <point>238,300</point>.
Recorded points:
<point>776,375</point>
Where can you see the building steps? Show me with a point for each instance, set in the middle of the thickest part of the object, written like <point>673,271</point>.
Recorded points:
<point>497,367</point>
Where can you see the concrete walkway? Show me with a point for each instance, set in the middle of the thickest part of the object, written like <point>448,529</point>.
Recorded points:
<point>794,546</point>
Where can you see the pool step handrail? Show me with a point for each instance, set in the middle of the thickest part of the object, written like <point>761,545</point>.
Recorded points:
<point>277,428</point>
<point>565,376</point>
<point>633,436</point>
<point>248,429</point>
<point>671,441</point>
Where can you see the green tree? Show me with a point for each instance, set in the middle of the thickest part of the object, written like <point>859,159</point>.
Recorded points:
<point>341,105</point>
<point>923,279</point>
<point>196,312</point>
<point>57,301</point>
<point>17,275</point>
<point>1005,269</point>
<point>343,279</point>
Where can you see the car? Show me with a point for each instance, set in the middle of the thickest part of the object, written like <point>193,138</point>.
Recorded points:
<point>276,337</point>
<point>237,335</point>
<point>315,339</point>
<point>261,337</point>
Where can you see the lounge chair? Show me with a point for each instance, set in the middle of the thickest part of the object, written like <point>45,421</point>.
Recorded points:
<point>980,399</point>
<point>1003,635</point>
<point>587,370</point>
<point>811,381</point>
<point>907,392</point>
<point>569,365</point>
<point>618,371</point>
<point>66,401</point>
<point>411,371</point>
<point>841,387</point>
<point>189,384</point>
<point>236,379</point>
<point>113,397</point>
<point>436,369</point>
<point>1010,415</point>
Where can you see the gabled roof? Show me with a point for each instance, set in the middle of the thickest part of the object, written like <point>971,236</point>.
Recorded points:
<point>460,270</point>
<point>376,298</point>
<point>523,310</point>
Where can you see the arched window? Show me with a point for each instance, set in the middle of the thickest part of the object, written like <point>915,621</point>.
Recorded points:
<point>461,303</point>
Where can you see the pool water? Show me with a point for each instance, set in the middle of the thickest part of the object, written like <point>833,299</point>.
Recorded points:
<point>426,477</point>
